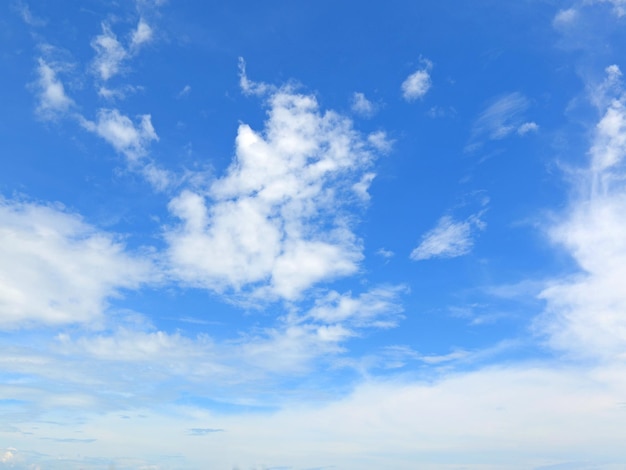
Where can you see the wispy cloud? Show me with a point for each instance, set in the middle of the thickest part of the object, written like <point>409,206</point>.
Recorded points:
<point>143,34</point>
<point>418,83</point>
<point>110,54</point>
<point>53,101</point>
<point>29,18</point>
<point>501,118</point>
<point>250,87</point>
<point>619,6</point>
<point>362,106</point>
<point>449,238</point>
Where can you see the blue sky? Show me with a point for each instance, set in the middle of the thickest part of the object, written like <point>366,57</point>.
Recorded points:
<point>313,235</point>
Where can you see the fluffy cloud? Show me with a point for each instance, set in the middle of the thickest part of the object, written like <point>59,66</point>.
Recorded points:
<point>51,93</point>
<point>275,223</point>
<point>418,83</point>
<point>448,239</point>
<point>585,313</point>
<point>69,266</point>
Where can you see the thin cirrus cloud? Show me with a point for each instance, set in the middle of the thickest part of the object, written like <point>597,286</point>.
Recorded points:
<point>450,238</point>
<point>503,117</point>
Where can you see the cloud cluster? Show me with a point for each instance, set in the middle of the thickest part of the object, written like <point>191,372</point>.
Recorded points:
<point>276,223</point>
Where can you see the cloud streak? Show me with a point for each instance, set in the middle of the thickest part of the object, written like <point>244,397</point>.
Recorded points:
<point>448,239</point>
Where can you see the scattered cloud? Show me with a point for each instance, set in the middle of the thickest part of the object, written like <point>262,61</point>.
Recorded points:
<point>450,238</point>
<point>619,6</point>
<point>125,136</point>
<point>274,224</point>
<point>527,127</point>
<point>362,106</point>
<point>250,87</point>
<point>72,267</point>
<point>380,141</point>
<point>110,54</point>
<point>53,101</point>
<point>385,253</point>
<point>184,92</point>
<point>418,83</point>
<point>142,35</point>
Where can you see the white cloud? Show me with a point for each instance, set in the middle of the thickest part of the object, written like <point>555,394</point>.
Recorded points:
<point>185,91</point>
<point>565,17</point>
<point>501,118</point>
<point>448,239</point>
<point>51,93</point>
<point>125,136</point>
<point>376,308</point>
<point>585,312</point>
<point>55,269</point>
<point>274,224</point>
<point>362,106</point>
<point>527,127</point>
<point>250,87</point>
<point>109,53</point>
<point>418,83</point>
<point>380,141</point>
<point>142,35</point>
<point>385,253</point>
